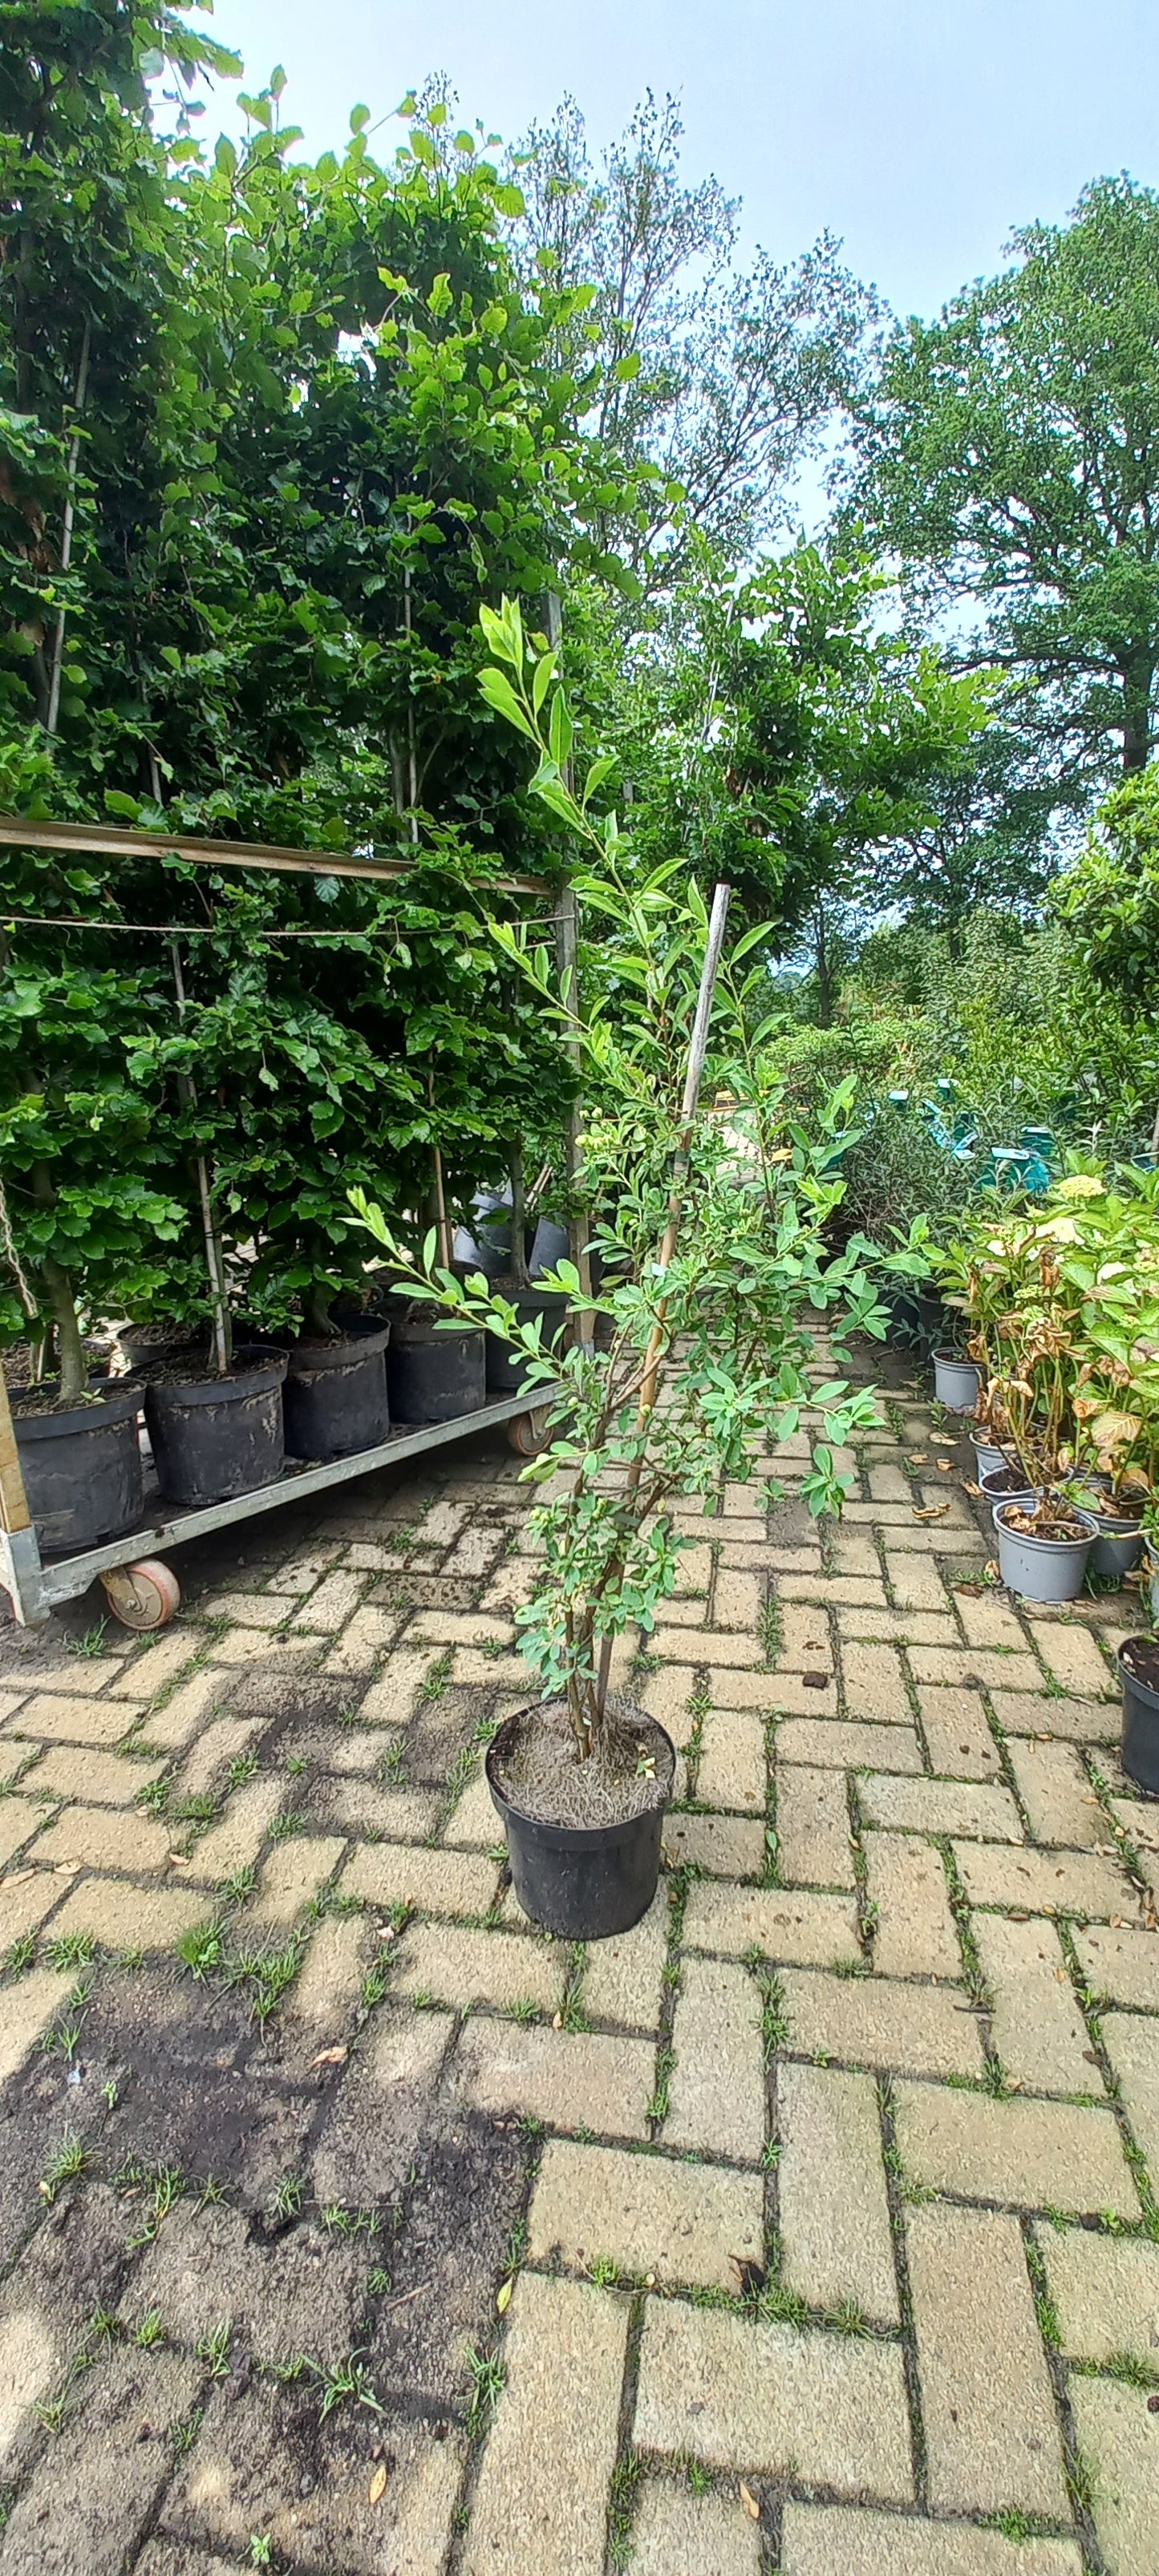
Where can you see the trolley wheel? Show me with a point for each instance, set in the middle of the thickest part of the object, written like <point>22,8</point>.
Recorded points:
<point>144,1595</point>
<point>527,1432</point>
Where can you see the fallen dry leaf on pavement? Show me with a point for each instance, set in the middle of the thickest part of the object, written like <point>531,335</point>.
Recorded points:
<point>749,2502</point>
<point>815,1681</point>
<point>936,1512</point>
<point>503,2300</point>
<point>969,1488</point>
<point>377,2488</point>
<point>330,2057</point>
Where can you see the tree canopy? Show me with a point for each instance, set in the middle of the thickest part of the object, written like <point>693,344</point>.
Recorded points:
<point>1009,457</point>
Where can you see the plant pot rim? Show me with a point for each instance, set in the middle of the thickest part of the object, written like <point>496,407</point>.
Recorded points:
<point>1031,1538</point>
<point>1144,1638</point>
<point>114,1404</point>
<point>265,1367</point>
<point>422,1327</point>
<point>577,1838</point>
<point>310,1352</point>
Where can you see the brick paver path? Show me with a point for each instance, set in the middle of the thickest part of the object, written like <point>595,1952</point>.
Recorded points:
<point>810,2227</point>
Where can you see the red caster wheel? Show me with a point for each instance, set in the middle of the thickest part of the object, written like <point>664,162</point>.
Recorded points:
<point>144,1595</point>
<point>527,1432</point>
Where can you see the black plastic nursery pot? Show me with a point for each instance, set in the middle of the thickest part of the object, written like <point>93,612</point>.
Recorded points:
<point>581,1882</point>
<point>214,1437</point>
<point>81,1467</point>
<point>1139,1672</point>
<point>506,1369</point>
<point>432,1373</point>
<point>334,1398</point>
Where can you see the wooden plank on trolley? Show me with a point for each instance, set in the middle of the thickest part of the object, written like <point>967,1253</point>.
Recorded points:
<point>112,841</point>
<point>14,1511</point>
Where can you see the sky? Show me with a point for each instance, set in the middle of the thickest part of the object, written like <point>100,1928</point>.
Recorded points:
<point>919,131</point>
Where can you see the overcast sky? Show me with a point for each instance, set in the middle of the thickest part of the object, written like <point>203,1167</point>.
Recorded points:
<point>918,130</point>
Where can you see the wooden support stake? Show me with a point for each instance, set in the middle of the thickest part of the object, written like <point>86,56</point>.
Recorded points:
<point>213,1261</point>
<point>567,952</point>
<point>694,1071</point>
<point>14,1512</point>
<point>442,1222</point>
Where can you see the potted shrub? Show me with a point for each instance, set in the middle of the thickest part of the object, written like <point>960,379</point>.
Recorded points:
<point>1023,1313</point>
<point>713,1263</point>
<point>84,1213</point>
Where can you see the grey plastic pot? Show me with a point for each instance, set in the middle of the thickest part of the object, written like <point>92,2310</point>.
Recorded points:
<point>1006,1485</point>
<point>1043,1569</point>
<point>1151,1555</point>
<point>1119,1544</point>
<point>990,1460</point>
<point>956,1382</point>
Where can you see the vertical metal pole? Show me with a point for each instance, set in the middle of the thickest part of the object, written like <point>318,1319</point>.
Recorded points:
<point>411,752</point>
<point>567,949</point>
<point>82,380</point>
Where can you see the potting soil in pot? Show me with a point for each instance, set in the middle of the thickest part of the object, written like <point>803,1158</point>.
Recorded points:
<point>541,1772</point>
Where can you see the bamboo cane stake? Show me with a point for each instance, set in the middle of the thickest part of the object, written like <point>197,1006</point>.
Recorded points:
<point>442,1221</point>
<point>693,1076</point>
<point>187,1093</point>
<point>566,951</point>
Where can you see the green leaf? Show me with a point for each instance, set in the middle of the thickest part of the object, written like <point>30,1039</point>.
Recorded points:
<point>560,729</point>
<point>359,117</point>
<point>497,689</point>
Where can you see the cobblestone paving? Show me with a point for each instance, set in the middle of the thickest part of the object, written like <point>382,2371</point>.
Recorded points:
<point>347,2225</point>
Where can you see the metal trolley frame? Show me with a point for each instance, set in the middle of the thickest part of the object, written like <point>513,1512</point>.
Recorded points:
<point>141,1589</point>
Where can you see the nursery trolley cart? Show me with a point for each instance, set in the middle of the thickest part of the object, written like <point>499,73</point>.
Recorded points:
<point>140,1587</point>
<point>142,1590</point>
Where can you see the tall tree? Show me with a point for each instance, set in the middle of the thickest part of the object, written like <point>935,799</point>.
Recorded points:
<point>719,383</point>
<point>1010,458</point>
<point>983,838</point>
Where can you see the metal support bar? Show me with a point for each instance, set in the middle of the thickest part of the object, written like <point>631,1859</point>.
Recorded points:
<point>105,841</point>
<point>37,1589</point>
